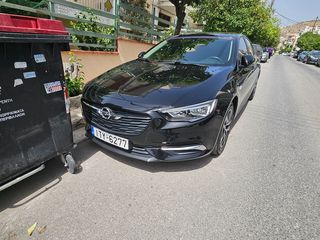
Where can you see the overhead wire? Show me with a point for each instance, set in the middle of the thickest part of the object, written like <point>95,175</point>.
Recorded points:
<point>287,18</point>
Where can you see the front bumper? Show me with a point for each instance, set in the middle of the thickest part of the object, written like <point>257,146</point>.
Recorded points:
<point>172,142</point>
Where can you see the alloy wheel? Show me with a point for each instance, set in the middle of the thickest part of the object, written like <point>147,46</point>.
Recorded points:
<point>226,127</point>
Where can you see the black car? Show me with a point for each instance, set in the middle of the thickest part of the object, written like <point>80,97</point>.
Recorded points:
<point>302,55</point>
<point>312,57</point>
<point>175,102</point>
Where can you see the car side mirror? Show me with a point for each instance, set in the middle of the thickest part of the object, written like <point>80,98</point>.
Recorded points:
<point>141,54</point>
<point>247,60</point>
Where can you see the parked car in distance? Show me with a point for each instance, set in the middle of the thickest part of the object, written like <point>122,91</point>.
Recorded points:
<point>264,57</point>
<point>302,55</point>
<point>312,57</point>
<point>258,51</point>
<point>295,54</point>
<point>175,102</point>
<point>269,50</point>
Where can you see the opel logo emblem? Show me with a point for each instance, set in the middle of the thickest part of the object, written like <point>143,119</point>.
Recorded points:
<point>106,113</point>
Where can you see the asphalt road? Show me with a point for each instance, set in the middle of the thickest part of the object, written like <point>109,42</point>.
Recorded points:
<point>266,185</point>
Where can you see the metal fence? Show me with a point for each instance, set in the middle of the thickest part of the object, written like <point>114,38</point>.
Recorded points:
<point>93,29</point>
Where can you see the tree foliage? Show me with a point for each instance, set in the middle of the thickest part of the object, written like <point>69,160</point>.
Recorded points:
<point>250,17</point>
<point>140,18</point>
<point>286,48</point>
<point>180,6</point>
<point>91,26</point>
<point>309,41</point>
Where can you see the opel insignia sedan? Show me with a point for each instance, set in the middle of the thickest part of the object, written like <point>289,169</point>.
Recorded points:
<point>176,101</point>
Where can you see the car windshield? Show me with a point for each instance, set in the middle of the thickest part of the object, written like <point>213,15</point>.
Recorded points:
<point>204,51</point>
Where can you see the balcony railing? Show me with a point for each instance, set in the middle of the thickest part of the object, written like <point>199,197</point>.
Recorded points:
<point>124,20</point>
<point>94,4</point>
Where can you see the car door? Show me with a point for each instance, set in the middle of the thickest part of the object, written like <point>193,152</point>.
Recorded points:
<point>243,74</point>
<point>254,69</point>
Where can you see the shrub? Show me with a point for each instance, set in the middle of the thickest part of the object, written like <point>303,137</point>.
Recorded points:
<point>74,76</point>
<point>94,27</point>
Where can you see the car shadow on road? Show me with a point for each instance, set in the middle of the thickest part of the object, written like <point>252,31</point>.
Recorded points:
<point>34,186</point>
<point>155,167</point>
<point>88,148</point>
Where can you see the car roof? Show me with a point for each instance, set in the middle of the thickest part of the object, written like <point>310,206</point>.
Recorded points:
<point>207,34</point>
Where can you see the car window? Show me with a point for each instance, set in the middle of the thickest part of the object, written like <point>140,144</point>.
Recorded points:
<point>242,47</point>
<point>206,51</point>
<point>249,46</point>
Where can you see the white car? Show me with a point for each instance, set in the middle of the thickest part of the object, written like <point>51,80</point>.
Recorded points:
<point>264,57</point>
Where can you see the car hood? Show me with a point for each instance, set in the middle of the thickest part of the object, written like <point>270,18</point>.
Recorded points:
<point>145,85</point>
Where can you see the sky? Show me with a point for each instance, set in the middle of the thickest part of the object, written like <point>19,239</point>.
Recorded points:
<point>297,10</point>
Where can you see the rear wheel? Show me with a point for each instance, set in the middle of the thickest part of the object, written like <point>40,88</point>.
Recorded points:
<point>224,132</point>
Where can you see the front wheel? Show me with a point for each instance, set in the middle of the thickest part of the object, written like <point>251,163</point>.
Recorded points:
<point>224,132</point>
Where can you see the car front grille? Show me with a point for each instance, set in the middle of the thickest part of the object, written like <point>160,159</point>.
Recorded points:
<point>129,123</point>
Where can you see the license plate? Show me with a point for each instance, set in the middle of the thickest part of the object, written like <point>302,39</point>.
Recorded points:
<point>110,138</point>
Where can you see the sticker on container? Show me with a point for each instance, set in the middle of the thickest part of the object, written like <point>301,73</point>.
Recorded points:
<point>53,87</point>
<point>28,75</point>
<point>40,58</point>
<point>17,82</point>
<point>12,115</point>
<point>18,65</point>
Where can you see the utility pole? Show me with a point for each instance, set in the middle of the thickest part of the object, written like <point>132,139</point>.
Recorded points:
<point>314,25</point>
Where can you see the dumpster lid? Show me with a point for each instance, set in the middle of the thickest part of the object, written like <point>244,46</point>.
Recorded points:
<point>23,24</point>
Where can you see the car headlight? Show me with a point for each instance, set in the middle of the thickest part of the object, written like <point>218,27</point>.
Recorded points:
<point>190,113</point>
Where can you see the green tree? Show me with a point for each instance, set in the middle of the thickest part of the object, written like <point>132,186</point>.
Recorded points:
<point>309,41</point>
<point>180,6</point>
<point>286,48</point>
<point>250,17</point>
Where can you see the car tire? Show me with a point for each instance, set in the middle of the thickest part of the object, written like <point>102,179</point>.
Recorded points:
<point>224,132</point>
